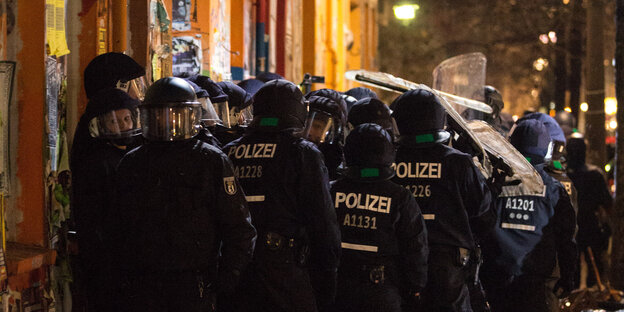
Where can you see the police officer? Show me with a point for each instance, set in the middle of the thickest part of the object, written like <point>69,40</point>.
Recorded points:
<point>251,85</point>
<point>502,122</point>
<point>556,168</point>
<point>532,234</point>
<point>451,192</point>
<point>106,131</point>
<point>240,108</point>
<point>360,93</point>
<point>594,204</point>
<point>372,110</point>
<point>384,240</point>
<point>179,208</point>
<point>328,110</point>
<point>287,188</point>
<point>566,121</point>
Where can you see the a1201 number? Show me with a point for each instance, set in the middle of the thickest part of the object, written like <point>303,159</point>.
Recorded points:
<point>519,204</point>
<point>359,221</point>
<point>419,190</point>
<point>247,172</point>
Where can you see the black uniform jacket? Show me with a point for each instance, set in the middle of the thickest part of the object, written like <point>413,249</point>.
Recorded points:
<point>451,192</point>
<point>179,204</point>
<point>286,185</point>
<point>532,233</point>
<point>381,225</point>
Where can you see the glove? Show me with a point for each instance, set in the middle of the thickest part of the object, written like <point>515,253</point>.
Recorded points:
<point>324,285</point>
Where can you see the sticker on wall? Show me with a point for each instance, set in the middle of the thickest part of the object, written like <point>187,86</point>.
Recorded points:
<point>181,14</point>
<point>187,57</point>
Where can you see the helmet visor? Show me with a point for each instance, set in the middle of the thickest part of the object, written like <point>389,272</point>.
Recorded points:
<point>170,123</point>
<point>209,115</point>
<point>135,88</point>
<point>121,123</point>
<point>241,117</point>
<point>319,127</point>
<point>222,110</point>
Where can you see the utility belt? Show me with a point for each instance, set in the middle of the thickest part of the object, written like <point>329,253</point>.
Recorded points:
<point>375,274</point>
<point>283,249</point>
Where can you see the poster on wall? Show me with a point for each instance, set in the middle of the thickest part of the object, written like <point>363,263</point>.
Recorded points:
<point>220,45</point>
<point>7,70</point>
<point>181,15</point>
<point>187,55</point>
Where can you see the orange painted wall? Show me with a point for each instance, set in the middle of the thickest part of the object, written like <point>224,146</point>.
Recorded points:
<point>237,33</point>
<point>30,106</point>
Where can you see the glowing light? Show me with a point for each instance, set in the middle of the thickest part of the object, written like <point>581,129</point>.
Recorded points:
<point>567,304</point>
<point>566,2</point>
<point>584,107</point>
<point>515,118</point>
<point>610,105</point>
<point>568,109</point>
<point>405,11</point>
<point>543,38</point>
<point>608,167</point>
<point>613,124</point>
<point>540,64</point>
<point>552,36</point>
<point>534,93</point>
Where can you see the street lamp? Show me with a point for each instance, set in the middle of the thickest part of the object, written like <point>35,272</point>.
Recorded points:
<point>405,11</point>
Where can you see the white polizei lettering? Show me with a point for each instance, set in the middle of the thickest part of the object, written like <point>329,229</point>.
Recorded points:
<point>260,150</point>
<point>369,202</point>
<point>351,200</point>
<point>384,204</point>
<point>359,247</point>
<point>340,198</point>
<point>374,199</point>
<point>418,170</point>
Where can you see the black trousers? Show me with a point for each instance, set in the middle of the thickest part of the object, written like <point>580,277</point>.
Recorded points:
<point>356,292</point>
<point>447,288</point>
<point>524,293</point>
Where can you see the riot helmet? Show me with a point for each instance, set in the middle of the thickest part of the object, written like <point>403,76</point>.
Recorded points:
<point>566,121</point>
<point>361,92</point>
<point>372,110</point>
<point>337,98</point>
<point>323,123</point>
<point>114,116</point>
<point>217,96</point>
<point>115,70</point>
<point>209,117</point>
<point>494,99</point>
<point>279,104</point>
<point>555,132</point>
<point>268,76</point>
<point>170,111</point>
<point>239,102</point>
<point>349,100</point>
<point>369,152</point>
<point>530,137</point>
<point>251,85</point>
<point>418,111</point>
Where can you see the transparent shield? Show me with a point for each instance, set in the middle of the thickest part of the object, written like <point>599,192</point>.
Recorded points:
<point>222,110</point>
<point>209,115</point>
<point>170,123</point>
<point>121,123</point>
<point>319,127</point>
<point>462,76</point>
<point>135,88</point>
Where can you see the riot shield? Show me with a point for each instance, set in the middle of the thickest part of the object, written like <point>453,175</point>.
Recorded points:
<point>463,76</point>
<point>495,153</point>
<point>463,135</point>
